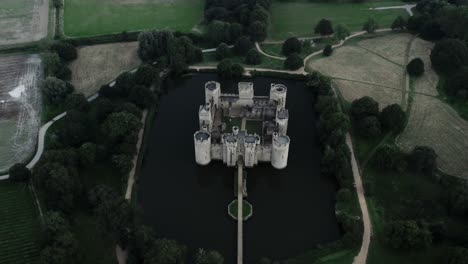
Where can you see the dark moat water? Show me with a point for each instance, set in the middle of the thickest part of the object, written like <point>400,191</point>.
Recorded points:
<point>293,208</point>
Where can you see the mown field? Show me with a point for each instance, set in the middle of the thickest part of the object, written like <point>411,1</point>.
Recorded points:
<point>99,64</point>
<point>97,17</point>
<point>23,20</point>
<point>299,17</point>
<point>20,105</point>
<point>19,225</point>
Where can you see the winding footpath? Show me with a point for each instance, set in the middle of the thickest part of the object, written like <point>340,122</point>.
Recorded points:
<point>408,8</point>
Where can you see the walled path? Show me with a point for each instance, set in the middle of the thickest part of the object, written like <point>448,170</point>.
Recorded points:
<point>240,216</point>
<point>406,7</point>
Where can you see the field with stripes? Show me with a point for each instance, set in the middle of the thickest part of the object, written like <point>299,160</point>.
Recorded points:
<point>19,225</point>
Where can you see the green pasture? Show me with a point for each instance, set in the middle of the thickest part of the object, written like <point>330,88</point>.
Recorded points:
<point>97,17</point>
<point>19,225</point>
<point>299,17</point>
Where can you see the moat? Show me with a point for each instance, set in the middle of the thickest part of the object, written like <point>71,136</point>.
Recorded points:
<point>294,207</point>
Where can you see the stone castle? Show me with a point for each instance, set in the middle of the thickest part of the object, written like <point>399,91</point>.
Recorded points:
<point>243,125</point>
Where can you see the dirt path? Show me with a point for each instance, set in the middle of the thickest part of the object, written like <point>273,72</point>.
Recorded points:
<point>406,7</point>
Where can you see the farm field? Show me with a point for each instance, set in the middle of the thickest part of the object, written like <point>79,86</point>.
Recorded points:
<point>23,21</point>
<point>370,67</point>
<point>20,103</point>
<point>115,16</point>
<point>99,64</point>
<point>298,18</point>
<point>19,225</point>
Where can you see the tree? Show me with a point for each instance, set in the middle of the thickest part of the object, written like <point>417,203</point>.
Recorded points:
<point>341,32</point>
<point>146,75</point>
<point>258,31</point>
<point>123,163</point>
<point>19,172</point>
<point>235,31</point>
<point>415,67</point>
<point>457,255</point>
<point>222,51</point>
<point>265,260</point>
<point>142,96</point>
<point>407,235</point>
<point>63,250</point>
<point>166,251</point>
<point>55,225</point>
<point>328,50</point>
<point>456,84</point>
<point>363,107</point>
<point>237,71</point>
<point>393,118</point>
<point>253,57</point>
<point>423,159</point>
<point>55,90</point>
<point>258,14</point>
<point>416,22</point>
<point>208,257</point>
<point>449,55</point>
<point>293,62</point>
<point>343,195</point>
<point>120,124</point>
<point>243,45</point>
<point>224,69</point>
<point>101,193</point>
<point>291,45</point>
<point>51,62</point>
<point>399,23</point>
<point>369,127</point>
<point>389,157</point>
<point>87,153</point>
<point>219,31</point>
<point>77,102</point>
<point>65,50</point>
<point>153,44</point>
<point>370,26</point>
<point>58,4</point>
<point>324,27</point>
<point>115,218</point>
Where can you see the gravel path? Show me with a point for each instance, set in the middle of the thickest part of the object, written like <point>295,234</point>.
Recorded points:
<point>408,8</point>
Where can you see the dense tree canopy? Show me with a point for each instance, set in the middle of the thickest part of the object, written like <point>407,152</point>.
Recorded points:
<point>293,62</point>
<point>407,235</point>
<point>370,25</point>
<point>208,257</point>
<point>457,83</point>
<point>19,172</point>
<point>253,57</point>
<point>415,67</point>
<point>324,27</point>
<point>120,124</point>
<point>166,252</point>
<point>423,159</point>
<point>369,127</point>
<point>243,45</point>
<point>393,118</point>
<point>449,55</point>
<point>363,107</point>
<point>55,90</point>
<point>222,51</point>
<point>65,50</point>
<point>399,23</point>
<point>291,45</point>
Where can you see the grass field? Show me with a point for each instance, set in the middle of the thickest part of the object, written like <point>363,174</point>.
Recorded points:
<point>209,59</point>
<point>23,21</point>
<point>99,64</point>
<point>299,17</point>
<point>19,225</point>
<point>97,17</point>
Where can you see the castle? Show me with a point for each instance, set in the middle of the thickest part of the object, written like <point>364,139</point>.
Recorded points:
<point>233,125</point>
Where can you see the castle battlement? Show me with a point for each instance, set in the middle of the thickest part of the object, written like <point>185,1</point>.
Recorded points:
<point>233,125</point>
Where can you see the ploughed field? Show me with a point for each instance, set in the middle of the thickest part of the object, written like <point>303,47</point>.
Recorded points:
<point>293,208</point>
<point>20,102</point>
<point>23,21</point>
<point>115,16</point>
<point>99,64</point>
<point>19,225</point>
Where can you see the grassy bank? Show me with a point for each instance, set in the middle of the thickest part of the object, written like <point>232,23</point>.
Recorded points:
<point>459,104</point>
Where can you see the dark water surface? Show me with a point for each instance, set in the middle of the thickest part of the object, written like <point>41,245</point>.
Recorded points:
<point>293,208</point>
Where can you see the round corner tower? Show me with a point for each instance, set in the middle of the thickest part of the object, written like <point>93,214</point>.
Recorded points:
<point>278,93</point>
<point>280,151</point>
<point>212,93</point>
<point>202,141</point>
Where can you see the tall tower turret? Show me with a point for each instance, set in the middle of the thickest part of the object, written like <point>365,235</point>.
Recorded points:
<point>250,146</point>
<point>205,117</point>
<point>212,93</point>
<point>280,151</point>
<point>230,144</point>
<point>246,90</point>
<point>202,147</point>
<point>278,93</point>
<point>282,118</point>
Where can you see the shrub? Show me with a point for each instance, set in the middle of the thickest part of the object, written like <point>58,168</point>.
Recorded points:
<point>324,27</point>
<point>146,75</point>
<point>344,195</point>
<point>456,84</point>
<point>362,107</point>
<point>423,159</point>
<point>222,51</point>
<point>399,23</point>
<point>55,90</point>
<point>415,67</point>
<point>393,118</point>
<point>369,127</point>
<point>341,32</point>
<point>65,50</point>
<point>328,50</point>
<point>370,26</point>
<point>224,69</point>
<point>19,172</point>
<point>253,57</point>
<point>237,71</point>
<point>293,62</point>
<point>407,235</point>
<point>243,45</point>
<point>389,157</point>
<point>457,255</point>
<point>77,102</point>
<point>291,45</point>
<point>449,55</point>
<point>258,31</point>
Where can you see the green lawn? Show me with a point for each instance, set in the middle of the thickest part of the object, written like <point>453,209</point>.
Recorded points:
<point>299,17</point>
<point>253,126</point>
<point>247,209</point>
<point>19,225</point>
<point>97,17</point>
<point>267,62</point>
<point>275,48</point>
